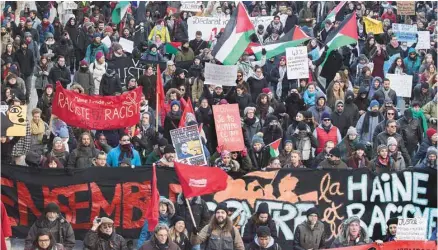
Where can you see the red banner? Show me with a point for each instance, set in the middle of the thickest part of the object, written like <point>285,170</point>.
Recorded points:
<point>228,127</point>
<point>97,112</point>
<point>396,245</point>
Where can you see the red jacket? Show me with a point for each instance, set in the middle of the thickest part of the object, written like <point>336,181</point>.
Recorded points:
<point>392,18</point>
<point>323,137</point>
<point>6,226</point>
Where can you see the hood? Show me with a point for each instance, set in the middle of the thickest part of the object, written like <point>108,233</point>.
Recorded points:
<point>339,101</point>
<point>77,86</point>
<point>349,94</point>
<point>363,57</point>
<point>110,72</point>
<point>412,50</point>
<point>377,78</point>
<point>363,90</point>
<point>170,206</point>
<point>270,244</point>
<point>343,236</point>
<point>171,91</point>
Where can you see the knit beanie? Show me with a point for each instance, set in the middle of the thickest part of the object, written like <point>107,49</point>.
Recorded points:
<point>221,206</point>
<point>302,126</point>
<point>84,63</point>
<point>99,55</point>
<point>223,101</point>
<point>257,138</point>
<point>392,221</point>
<point>56,139</point>
<point>312,210</point>
<point>225,153</point>
<point>176,219</point>
<point>360,146</point>
<point>351,131</point>
<point>162,142</point>
<point>325,115</point>
<point>374,103</point>
<point>430,132</point>
<point>381,147</point>
<point>266,90</point>
<point>391,141</point>
<point>175,102</point>
<point>263,208</point>
<point>335,152</point>
<point>51,207</point>
<point>63,132</point>
<point>169,149</point>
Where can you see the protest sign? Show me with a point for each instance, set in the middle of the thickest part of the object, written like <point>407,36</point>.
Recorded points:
<point>423,40</point>
<point>373,26</point>
<point>405,32</point>
<point>387,64</point>
<point>405,8</point>
<point>228,127</point>
<point>123,193</point>
<point>220,74</point>
<point>192,6</point>
<point>126,44</point>
<point>401,84</point>
<point>188,146</point>
<point>411,229</point>
<point>69,5</point>
<point>97,112</point>
<point>107,41</point>
<point>297,63</point>
<point>13,120</point>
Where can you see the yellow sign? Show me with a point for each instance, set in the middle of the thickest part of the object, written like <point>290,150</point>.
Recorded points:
<point>14,120</point>
<point>373,26</point>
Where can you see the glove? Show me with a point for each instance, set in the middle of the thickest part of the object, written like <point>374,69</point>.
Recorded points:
<point>195,231</point>
<point>244,152</point>
<point>263,51</point>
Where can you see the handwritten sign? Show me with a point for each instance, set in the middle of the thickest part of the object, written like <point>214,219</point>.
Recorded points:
<point>220,74</point>
<point>423,40</point>
<point>401,84</point>
<point>297,63</point>
<point>69,5</point>
<point>228,127</point>
<point>405,8</point>
<point>411,229</point>
<point>405,32</point>
<point>192,6</point>
<point>188,146</point>
<point>373,26</point>
<point>126,44</point>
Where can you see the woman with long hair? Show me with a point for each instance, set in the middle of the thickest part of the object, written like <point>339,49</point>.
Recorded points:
<point>397,67</point>
<point>46,241</point>
<point>334,93</point>
<point>178,233</point>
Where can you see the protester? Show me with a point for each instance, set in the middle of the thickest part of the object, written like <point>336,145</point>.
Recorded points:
<point>45,240</point>
<point>263,240</point>
<point>391,231</point>
<point>124,150</point>
<point>102,235</point>
<point>160,239</point>
<point>261,218</point>
<point>352,234</point>
<point>82,156</point>
<point>310,234</point>
<point>200,212</point>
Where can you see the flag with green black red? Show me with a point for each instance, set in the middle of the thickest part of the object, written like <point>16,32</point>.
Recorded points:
<point>273,148</point>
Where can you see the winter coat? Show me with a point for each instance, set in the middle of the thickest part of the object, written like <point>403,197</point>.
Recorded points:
<point>343,121</point>
<point>64,48</point>
<point>42,80</point>
<point>183,56</point>
<point>22,147</point>
<point>343,239</point>
<point>197,45</point>
<point>251,130</point>
<point>98,70</point>
<point>294,104</point>
<point>110,84</point>
<point>352,111</point>
<point>26,61</point>
<point>250,231</point>
<point>303,15</point>
<point>152,245</point>
<point>382,138</point>
<point>199,208</point>
<point>113,157</point>
<point>61,74</point>
<point>61,230</point>
<point>145,235</point>
<point>373,122</point>
<point>411,132</point>
<point>243,101</point>
<point>219,238</point>
<point>259,159</point>
<point>43,30</point>
<point>423,99</point>
<point>323,136</point>
<point>362,103</point>
<point>82,157</point>
<point>291,21</point>
<point>85,79</point>
<point>256,86</point>
<point>83,40</point>
<point>33,47</point>
<point>412,66</point>
<point>93,241</point>
<point>171,122</point>
<point>379,95</point>
<point>150,57</point>
<point>327,164</point>
<point>430,111</point>
<point>164,34</point>
<point>92,49</point>
<point>307,238</point>
<point>422,151</point>
<point>180,32</point>
<point>196,88</point>
<point>149,88</point>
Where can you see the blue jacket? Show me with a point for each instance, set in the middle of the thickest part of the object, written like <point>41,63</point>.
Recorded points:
<point>113,157</point>
<point>145,235</point>
<point>92,49</point>
<point>42,31</point>
<point>412,66</point>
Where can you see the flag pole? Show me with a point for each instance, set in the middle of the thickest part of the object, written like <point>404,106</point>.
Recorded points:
<point>156,115</point>
<point>190,211</point>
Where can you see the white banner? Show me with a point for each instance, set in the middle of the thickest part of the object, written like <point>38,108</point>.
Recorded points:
<point>411,229</point>
<point>220,74</point>
<point>211,26</point>
<point>297,63</point>
<point>192,6</point>
<point>423,40</point>
<point>126,44</point>
<point>401,84</point>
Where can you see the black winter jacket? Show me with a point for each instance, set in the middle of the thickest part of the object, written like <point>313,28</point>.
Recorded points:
<point>200,212</point>
<point>110,84</point>
<point>26,61</point>
<point>60,229</point>
<point>251,229</point>
<point>93,241</point>
<point>61,74</point>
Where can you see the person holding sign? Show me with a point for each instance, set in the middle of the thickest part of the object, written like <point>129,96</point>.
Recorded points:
<point>391,231</point>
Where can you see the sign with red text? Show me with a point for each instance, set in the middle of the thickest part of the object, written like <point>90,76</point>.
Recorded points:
<point>228,127</point>
<point>97,112</point>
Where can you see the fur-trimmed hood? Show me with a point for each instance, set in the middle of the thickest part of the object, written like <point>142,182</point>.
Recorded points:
<point>77,86</point>
<point>171,91</point>
<point>343,235</point>
<point>170,206</point>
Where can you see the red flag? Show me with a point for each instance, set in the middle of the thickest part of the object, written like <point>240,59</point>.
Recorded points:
<point>188,108</point>
<point>160,91</point>
<point>196,181</point>
<point>153,209</point>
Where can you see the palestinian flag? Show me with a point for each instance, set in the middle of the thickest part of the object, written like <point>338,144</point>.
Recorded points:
<point>332,15</point>
<point>235,38</point>
<point>344,35</point>
<point>120,11</point>
<point>172,47</point>
<point>293,38</point>
<point>273,148</point>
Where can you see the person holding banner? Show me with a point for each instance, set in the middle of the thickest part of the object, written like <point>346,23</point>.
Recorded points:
<point>351,234</point>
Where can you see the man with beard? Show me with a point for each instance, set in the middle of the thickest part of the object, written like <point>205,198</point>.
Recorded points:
<point>53,221</point>
<point>122,151</point>
<point>168,157</point>
<point>219,232</point>
<point>85,78</point>
<point>340,119</point>
<point>25,60</point>
<point>102,235</point>
<point>27,27</point>
<point>430,162</point>
<point>82,156</point>
<point>368,122</point>
<point>60,73</point>
<point>198,44</point>
<point>385,92</point>
<point>410,128</point>
<point>310,234</point>
<point>351,234</point>
<point>326,132</point>
<point>260,218</point>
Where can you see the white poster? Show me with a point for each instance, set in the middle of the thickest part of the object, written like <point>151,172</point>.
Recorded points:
<point>69,5</point>
<point>401,84</point>
<point>220,74</point>
<point>192,6</point>
<point>411,229</point>
<point>405,32</point>
<point>211,26</point>
<point>423,40</point>
<point>297,63</point>
<point>107,42</point>
<point>126,44</point>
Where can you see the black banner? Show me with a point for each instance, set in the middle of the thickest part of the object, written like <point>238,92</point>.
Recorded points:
<point>123,193</point>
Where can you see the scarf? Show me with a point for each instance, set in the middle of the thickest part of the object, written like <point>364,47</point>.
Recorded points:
<point>257,77</point>
<point>205,115</point>
<point>153,53</point>
<point>386,92</point>
<point>304,146</point>
<point>104,236</point>
<point>249,121</point>
<point>420,116</point>
<point>58,153</point>
<point>263,108</point>
<point>382,161</point>
<point>366,120</point>
<point>126,152</point>
<point>38,129</point>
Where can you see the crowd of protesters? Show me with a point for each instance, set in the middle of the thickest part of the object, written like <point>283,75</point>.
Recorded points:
<point>355,120</point>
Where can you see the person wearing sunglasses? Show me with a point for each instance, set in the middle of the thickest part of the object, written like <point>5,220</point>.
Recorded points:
<point>326,131</point>
<point>102,235</point>
<point>368,122</point>
<point>122,151</point>
<point>390,114</point>
<point>333,160</point>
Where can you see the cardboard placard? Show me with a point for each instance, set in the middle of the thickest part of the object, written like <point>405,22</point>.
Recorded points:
<point>401,84</point>
<point>373,26</point>
<point>405,32</point>
<point>423,40</point>
<point>107,41</point>
<point>228,127</point>
<point>188,147</point>
<point>192,6</point>
<point>405,8</point>
<point>224,75</point>
<point>126,44</point>
<point>13,120</point>
<point>297,63</point>
<point>411,229</point>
